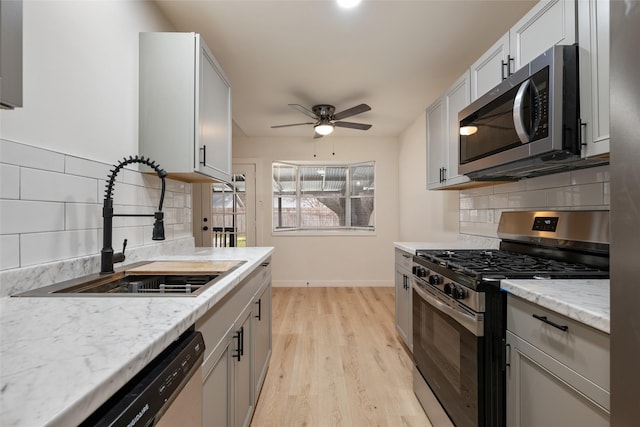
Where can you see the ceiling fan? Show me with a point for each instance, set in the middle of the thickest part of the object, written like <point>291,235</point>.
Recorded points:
<point>326,118</point>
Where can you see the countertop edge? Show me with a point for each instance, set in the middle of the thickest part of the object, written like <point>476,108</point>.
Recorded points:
<point>584,300</point>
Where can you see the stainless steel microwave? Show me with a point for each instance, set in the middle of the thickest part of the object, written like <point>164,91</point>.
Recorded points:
<point>528,125</point>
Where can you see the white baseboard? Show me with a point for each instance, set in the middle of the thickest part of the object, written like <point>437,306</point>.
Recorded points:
<point>332,283</point>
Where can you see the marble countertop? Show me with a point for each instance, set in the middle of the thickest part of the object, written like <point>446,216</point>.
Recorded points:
<point>62,357</point>
<point>584,300</point>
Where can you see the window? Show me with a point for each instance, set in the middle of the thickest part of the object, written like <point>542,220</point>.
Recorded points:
<point>311,196</point>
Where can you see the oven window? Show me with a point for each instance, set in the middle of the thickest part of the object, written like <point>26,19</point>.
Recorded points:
<point>447,355</point>
<point>446,350</point>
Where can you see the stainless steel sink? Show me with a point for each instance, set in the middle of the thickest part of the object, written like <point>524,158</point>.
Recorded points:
<point>127,283</point>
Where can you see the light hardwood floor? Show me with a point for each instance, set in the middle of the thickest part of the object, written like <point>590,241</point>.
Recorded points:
<point>337,361</point>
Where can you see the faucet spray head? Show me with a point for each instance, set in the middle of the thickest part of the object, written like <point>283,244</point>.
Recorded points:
<point>158,226</point>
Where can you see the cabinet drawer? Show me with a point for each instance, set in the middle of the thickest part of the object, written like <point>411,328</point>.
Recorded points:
<point>404,259</point>
<point>581,348</point>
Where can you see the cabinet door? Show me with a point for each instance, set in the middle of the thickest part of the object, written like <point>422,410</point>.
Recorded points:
<point>491,68</point>
<point>436,144</point>
<point>261,330</point>
<point>549,23</point>
<point>593,36</point>
<point>457,98</point>
<point>216,390</point>
<point>242,385</point>
<point>538,398</point>
<point>214,118</point>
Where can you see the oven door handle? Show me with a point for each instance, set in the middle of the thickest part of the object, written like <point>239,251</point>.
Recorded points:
<point>469,322</point>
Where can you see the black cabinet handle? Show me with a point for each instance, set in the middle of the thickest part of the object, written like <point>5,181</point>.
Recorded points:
<point>507,355</point>
<point>204,155</point>
<point>238,336</point>
<point>444,174</point>
<point>544,319</point>
<point>502,73</point>
<point>259,302</point>
<point>241,341</point>
<point>510,59</point>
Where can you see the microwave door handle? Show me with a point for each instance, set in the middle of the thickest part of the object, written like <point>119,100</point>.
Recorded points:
<point>518,107</point>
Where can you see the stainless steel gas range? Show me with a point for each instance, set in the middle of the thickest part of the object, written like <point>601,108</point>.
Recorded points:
<point>459,310</point>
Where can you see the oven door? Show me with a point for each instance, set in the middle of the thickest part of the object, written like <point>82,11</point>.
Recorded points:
<point>447,350</point>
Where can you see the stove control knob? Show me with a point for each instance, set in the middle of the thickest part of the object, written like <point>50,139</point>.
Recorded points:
<point>435,279</point>
<point>448,288</point>
<point>458,292</point>
<point>421,272</point>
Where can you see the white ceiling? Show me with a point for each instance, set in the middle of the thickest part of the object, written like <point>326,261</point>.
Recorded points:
<point>395,55</point>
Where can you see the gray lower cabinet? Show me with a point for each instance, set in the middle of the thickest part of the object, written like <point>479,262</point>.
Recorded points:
<point>261,330</point>
<point>403,285</point>
<point>237,334</point>
<point>558,369</point>
<point>243,402</point>
<point>216,389</point>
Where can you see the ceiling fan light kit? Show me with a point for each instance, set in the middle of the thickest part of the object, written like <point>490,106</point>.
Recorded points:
<point>326,120</point>
<point>324,129</point>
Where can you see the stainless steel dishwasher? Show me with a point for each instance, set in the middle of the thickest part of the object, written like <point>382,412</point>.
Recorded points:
<point>167,392</point>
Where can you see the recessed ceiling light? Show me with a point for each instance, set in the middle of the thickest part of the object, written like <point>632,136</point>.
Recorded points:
<point>348,3</point>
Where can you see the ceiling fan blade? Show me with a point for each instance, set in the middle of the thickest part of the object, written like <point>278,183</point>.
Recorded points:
<point>294,124</point>
<point>304,110</point>
<point>351,125</point>
<point>351,111</point>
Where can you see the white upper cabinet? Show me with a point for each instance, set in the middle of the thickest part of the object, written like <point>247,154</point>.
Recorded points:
<point>443,136</point>
<point>593,39</point>
<point>547,24</point>
<point>491,68</point>
<point>436,143</point>
<point>184,107</point>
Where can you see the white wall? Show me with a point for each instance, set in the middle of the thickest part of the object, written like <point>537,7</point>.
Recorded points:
<point>81,77</point>
<point>328,260</point>
<point>424,216</point>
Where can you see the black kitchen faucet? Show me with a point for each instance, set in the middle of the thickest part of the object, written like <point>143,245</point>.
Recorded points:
<point>108,258</point>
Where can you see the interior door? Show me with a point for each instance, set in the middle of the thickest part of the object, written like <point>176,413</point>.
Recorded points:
<point>224,214</point>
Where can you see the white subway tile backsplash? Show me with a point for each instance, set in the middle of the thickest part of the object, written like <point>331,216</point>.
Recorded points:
<point>590,175</point>
<point>576,195</point>
<point>583,189</point>
<point>509,187</point>
<point>9,251</point>
<point>19,216</point>
<point>86,168</point>
<point>479,229</point>
<point>37,248</point>
<point>178,186</point>
<point>25,155</point>
<point>51,206</point>
<point>528,199</point>
<point>80,216</point>
<point>548,181</point>
<point>478,191</point>
<point>52,186</point>
<point>135,236</point>
<point>499,201</point>
<point>9,182</point>
<point>466,202</point>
